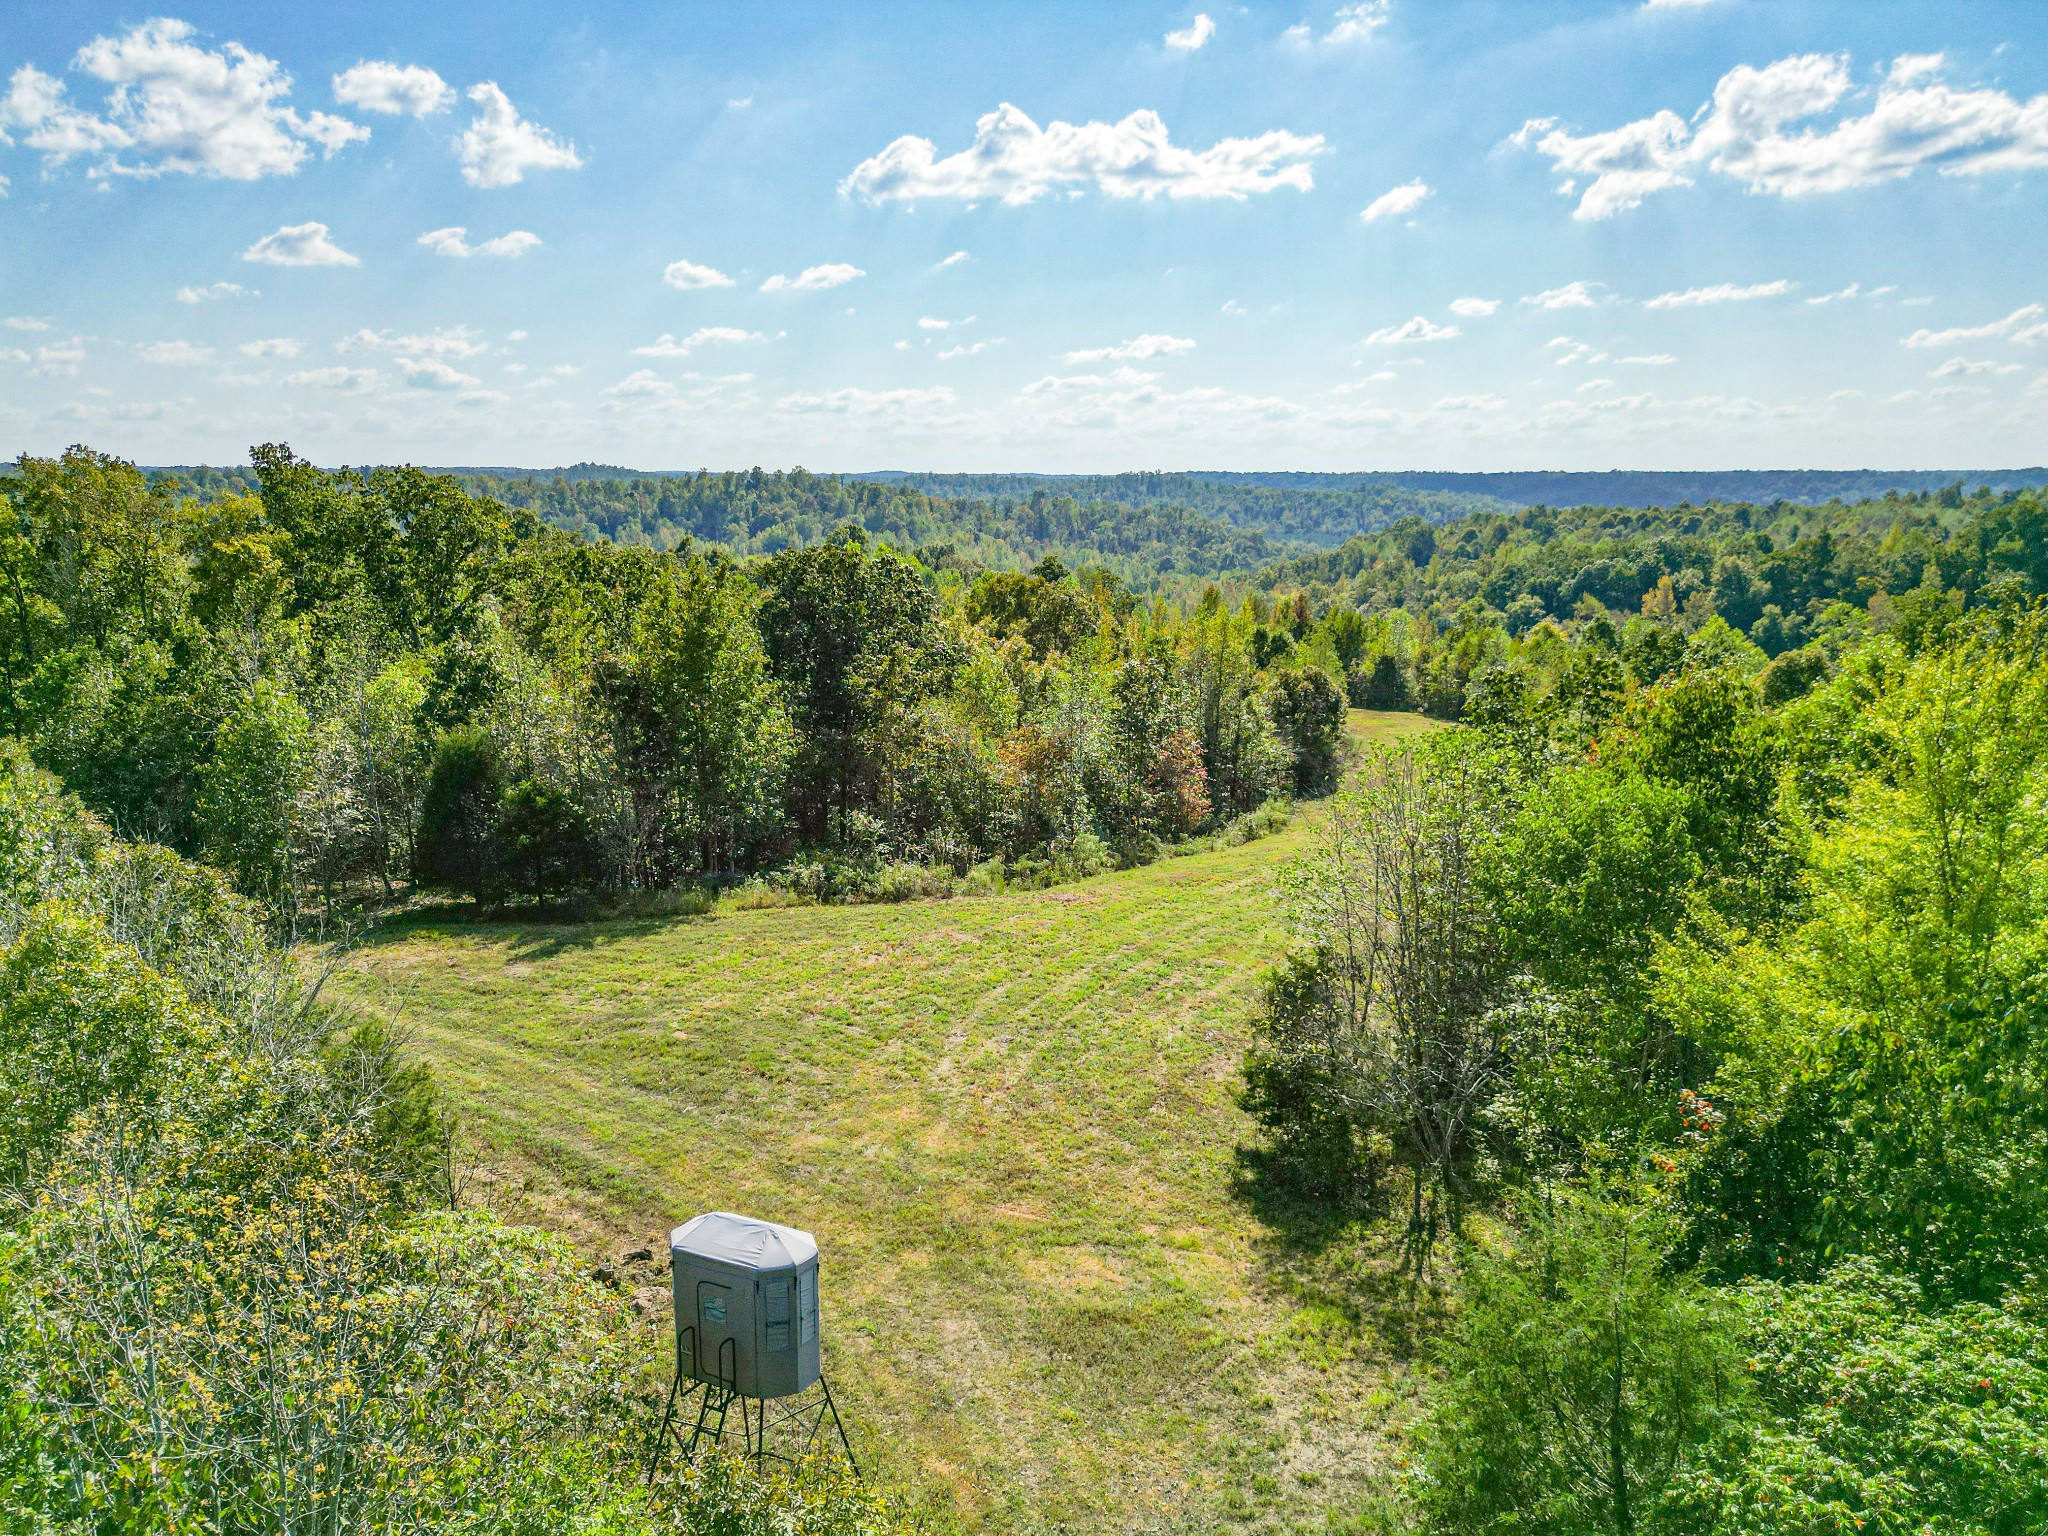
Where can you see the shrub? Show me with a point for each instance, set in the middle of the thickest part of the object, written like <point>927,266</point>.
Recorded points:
<point>545,840</point>
<point>1583,1384</point>
<point>1877,1414</point>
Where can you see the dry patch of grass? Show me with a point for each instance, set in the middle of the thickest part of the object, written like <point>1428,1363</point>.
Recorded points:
<point>1011,1123</point>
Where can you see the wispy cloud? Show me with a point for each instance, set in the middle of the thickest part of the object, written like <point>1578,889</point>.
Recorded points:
<point>1357,22</point>
<point>1719,293</point>
<point>705,336</point>
<point>176,354</point>
<point>454,241</point>
<point>1853,291</point>
<point>1405,198</point>
<point>2009,326</point>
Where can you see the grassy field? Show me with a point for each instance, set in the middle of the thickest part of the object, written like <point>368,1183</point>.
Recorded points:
<point>1010,1122</point>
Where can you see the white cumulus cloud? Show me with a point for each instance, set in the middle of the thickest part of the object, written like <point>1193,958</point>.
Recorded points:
<point>1474,309</point>
<point>270,346</point>
<point>641,383</point>
<point>955,259</point>
<point>176,354</point>
<point>499,146</point>
<point>1356,22</point>
<point>26,323</point>
<point>300,245</point>
<point>1418,329</point>
<point>831,274</point>
<point>1577,295</point>
<point>1012,158</point>
<point>1193,35</point>
<point>689,274</point>
<point>59,359</point>
<point>354,380</point>
<point>1760,130</point>
<point>172,107</point>
<point>449,341</point>
<point>709,335</point>
<point>435,373</point>
<point>195,294</point>
<point>1405,198</point>
<point>1718,293</point>
<point>1139,347</point>
<point>454,241</point>
<point>409,90</point>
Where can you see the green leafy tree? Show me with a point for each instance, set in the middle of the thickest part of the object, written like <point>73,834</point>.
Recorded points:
<point>1308,716</point>
<point>82,1022</point>
<point>546,840</point>
<point>1584,1383</point>
<point>458,847</point>
<point>826,612</point>
<point>250,793</point>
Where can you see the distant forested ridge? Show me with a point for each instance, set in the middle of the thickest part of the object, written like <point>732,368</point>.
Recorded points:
<point>1154,529</point>
<point>1769,571</point>
<point>1439,495</point>
<point>757,512</point>
<point>1314,509</point>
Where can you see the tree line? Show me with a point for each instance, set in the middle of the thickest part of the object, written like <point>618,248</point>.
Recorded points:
<point>350,682</point>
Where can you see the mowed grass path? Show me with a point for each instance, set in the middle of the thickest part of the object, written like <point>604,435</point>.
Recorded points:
<point>1011,1124</point>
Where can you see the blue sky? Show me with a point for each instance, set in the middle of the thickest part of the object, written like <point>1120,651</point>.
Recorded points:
<point>1375,234</point>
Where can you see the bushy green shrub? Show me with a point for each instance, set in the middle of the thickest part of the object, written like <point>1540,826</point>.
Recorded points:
<point>1584,1381</point>
<point>1877,1413</point>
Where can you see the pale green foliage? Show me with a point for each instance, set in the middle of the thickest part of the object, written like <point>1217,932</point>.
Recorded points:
<point>703,680</point>
<point>1881,1062</point>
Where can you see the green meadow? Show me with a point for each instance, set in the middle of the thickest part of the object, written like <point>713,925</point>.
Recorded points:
<point>1011,1123</point>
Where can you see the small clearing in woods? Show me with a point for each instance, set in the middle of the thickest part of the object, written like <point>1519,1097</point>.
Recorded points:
<point>1011,1123</point>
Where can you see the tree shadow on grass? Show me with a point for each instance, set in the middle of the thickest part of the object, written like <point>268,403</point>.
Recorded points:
<point>1340,1252</point>
<point>531,933</point>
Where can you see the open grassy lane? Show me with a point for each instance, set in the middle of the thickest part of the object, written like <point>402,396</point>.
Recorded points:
<point>1011,1124</point>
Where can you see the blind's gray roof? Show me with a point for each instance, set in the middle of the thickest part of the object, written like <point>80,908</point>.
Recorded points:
<point>743,1241</point>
